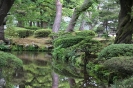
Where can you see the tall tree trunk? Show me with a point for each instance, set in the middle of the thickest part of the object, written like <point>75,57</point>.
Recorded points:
<point>30,23</point>
<point>82,24</point>
<point>55,80</point>
<point>125,25</point>
<point>71,82</point>
<point>76,14</point>
<point>20,24</point>
<point>5,6</point>
<point>2,32</point>
<point>55,29</point>
<point>44,24</point>
<point>58,17</point>
<point>38,24</point>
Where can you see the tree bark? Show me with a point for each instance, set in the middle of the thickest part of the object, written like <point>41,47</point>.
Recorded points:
<point>4,9</point>
<point>82,24</point>
<point>2,32</point>
<point>44,24</point>
<point>71,82</point>
<point>58,17</point>
<point>55,80</point>
<point>125,25</point>
<point>55,29</point>
<point>77,12</point>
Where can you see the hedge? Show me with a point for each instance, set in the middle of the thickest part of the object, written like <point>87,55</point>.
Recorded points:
<point>116,50</point>
<point>22,33</point>
<point>120,64</point>
<point>42,33</point>
<point>7,59</point>
<point>67,42</point>
<point>85,33</point>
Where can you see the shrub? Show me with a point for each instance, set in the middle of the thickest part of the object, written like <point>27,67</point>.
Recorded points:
<point>32,28</point>
<point>116,50</point>
<point>22,33</point>
<point>42,33</point>
<point>85,33</point>
<point>68,41</point>
<point>120,64</point>
<point>8,64</point>
<point>126,83</point>
<point>10,32</point>
<point>9,60</point>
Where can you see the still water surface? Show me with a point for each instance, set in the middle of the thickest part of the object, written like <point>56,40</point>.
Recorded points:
<point>37,72</point>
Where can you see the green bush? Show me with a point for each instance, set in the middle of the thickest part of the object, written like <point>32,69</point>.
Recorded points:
<point>8,64</point>
<point>42,33</point>
<point>10,32</point>
<point>126,83</point>
<point>67,41</point>
<point>22,33</point>
<point>85,33</point>
<point>120,64</point>
<point>116,50</point>
<point>9,60</point>
<point>32,28</point>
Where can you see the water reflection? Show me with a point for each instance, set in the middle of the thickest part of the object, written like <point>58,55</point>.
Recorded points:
<point>37,73</point>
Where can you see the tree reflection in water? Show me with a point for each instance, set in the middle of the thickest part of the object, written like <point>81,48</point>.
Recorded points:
<point>37,73</point>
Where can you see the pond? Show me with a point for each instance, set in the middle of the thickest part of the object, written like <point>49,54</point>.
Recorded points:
<point>38,71</point>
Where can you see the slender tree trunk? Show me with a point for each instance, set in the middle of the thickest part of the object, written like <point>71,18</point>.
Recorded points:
<point>20,24</point>
<point>55,29</point>
<point>125,25</point>
<point>58,17</point>
<point>44,24</point>
<point>71,82</point>
<point>82,24</point>
<point>81,28</point>
<point>5,7</point>
<point>55,81</point>
<point>76,14</point>
<point>2,32</point>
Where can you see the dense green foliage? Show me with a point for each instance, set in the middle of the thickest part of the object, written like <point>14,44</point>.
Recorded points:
<point>10,61</point>
<point>22,33</point>
<point>42,33</point>
<point>85,33</point>
<point>120,64</point>
<point>8,64</point>
<point>18,32</point>
<point>73,49</point>
<point>68,41</point>
<point>116,50</point>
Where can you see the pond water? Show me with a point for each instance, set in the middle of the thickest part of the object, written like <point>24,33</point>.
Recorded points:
<point>38,69</point>
<point>36,72</point>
